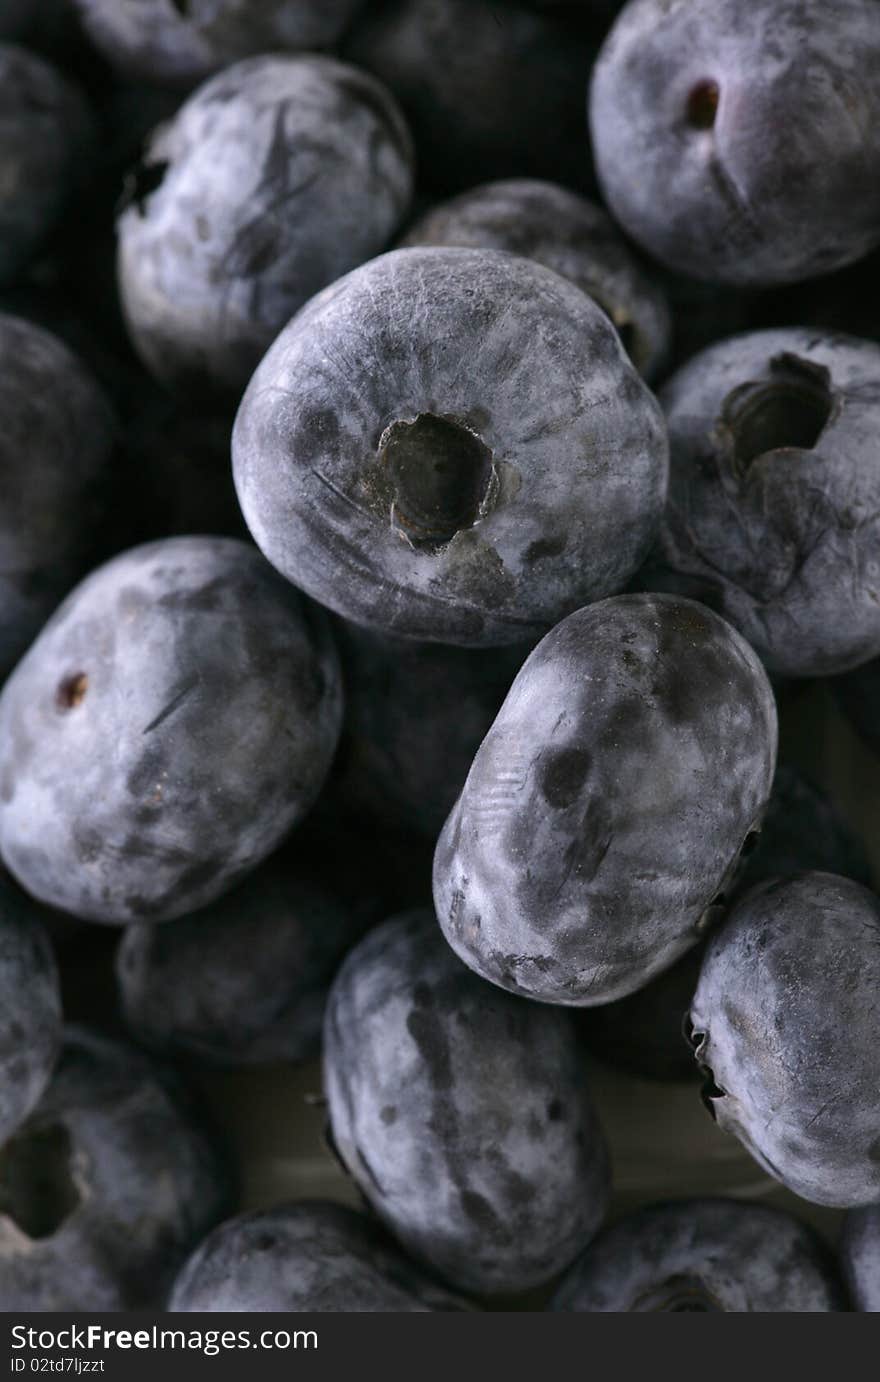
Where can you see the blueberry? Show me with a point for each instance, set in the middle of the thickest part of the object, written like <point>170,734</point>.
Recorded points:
<point>46,141</point>
<point>56,447</point>
<point>566,233</point>
<point>106,1187</point>
<point>774,492</point>
<point>244,980</point>
<point>275,177</point>
<point>415,715</point>
<point>703,1256</point>
<point>489,92</point>
<point>801,830</point>
<point>785,1027</point>
<point>176,716</point>
<point>312,1256</point>
<point>860,1255</point>
<point>461,1113</point>
<point>738,141</point>
<point>30,1008</point>
<point>181,41</point>
<point>474,455</point>
<point>607,806</point>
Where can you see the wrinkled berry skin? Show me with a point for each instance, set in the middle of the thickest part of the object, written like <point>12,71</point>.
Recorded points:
<point>415,715</point>
<point>566,233</point>
<point>56,449</point>
<point>176,716</point>
<point>181,41</point>
<point>475,455</point>
<point>46,140</point>
<point>312,1256</point>
<point>274,178</point>
<point>785,1025</point>
<point>860,1257</point>
<point>801,830</point>
<point>461,1113</point>
<point>244,980</point>
<point>488,93</point>
<point>705,1256</point>
<point>774,495</point>
<point>30,1008</point>
<point>740,143</point>
<point>107,1186</point>
<point>569,871</point>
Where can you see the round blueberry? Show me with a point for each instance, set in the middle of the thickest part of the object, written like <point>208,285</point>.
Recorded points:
<point>46,141</point>
<point>312,1256</point>
<point>785,1026</point>
<point>174,719</point>
<point>774,492</point>
<point>473,458</point>
<point>181,41</point>
<point>106,1187</point>
<point>608,805</point>
<point>740,142</point>
<point>461,1113</point>
<point>56,446</point>
<point>703,1256</point>
<point>566,233</point>
<point>244,980</point>
<point>30,1008</point>
<point>275,177</point>
<point>860,1256</point>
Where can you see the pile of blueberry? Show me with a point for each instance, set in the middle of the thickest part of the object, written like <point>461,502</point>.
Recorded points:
<point>389,671</point>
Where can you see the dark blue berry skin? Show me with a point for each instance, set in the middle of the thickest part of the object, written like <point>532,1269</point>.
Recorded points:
<point>489,92</point>
<point>415,715</point>
<point>312,1256</point>
<point>56,453</point>
<point>740,142</point>
<point>774,493</point>
<point>785,1026</point>
<point>462,1113</point>
<point>566,233</point>
<point>704,1256</point>
<point>108,1185</point>
<point>30,1008</point>
<point>46,143</point>
<point>591,840</point>
<point>275,177</point>
<point>174,719</point>
<point>860,1257</point>
<point>244,980</point>
<point>474,457</point>
<point>801,830</point>
<point>178,42</point>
